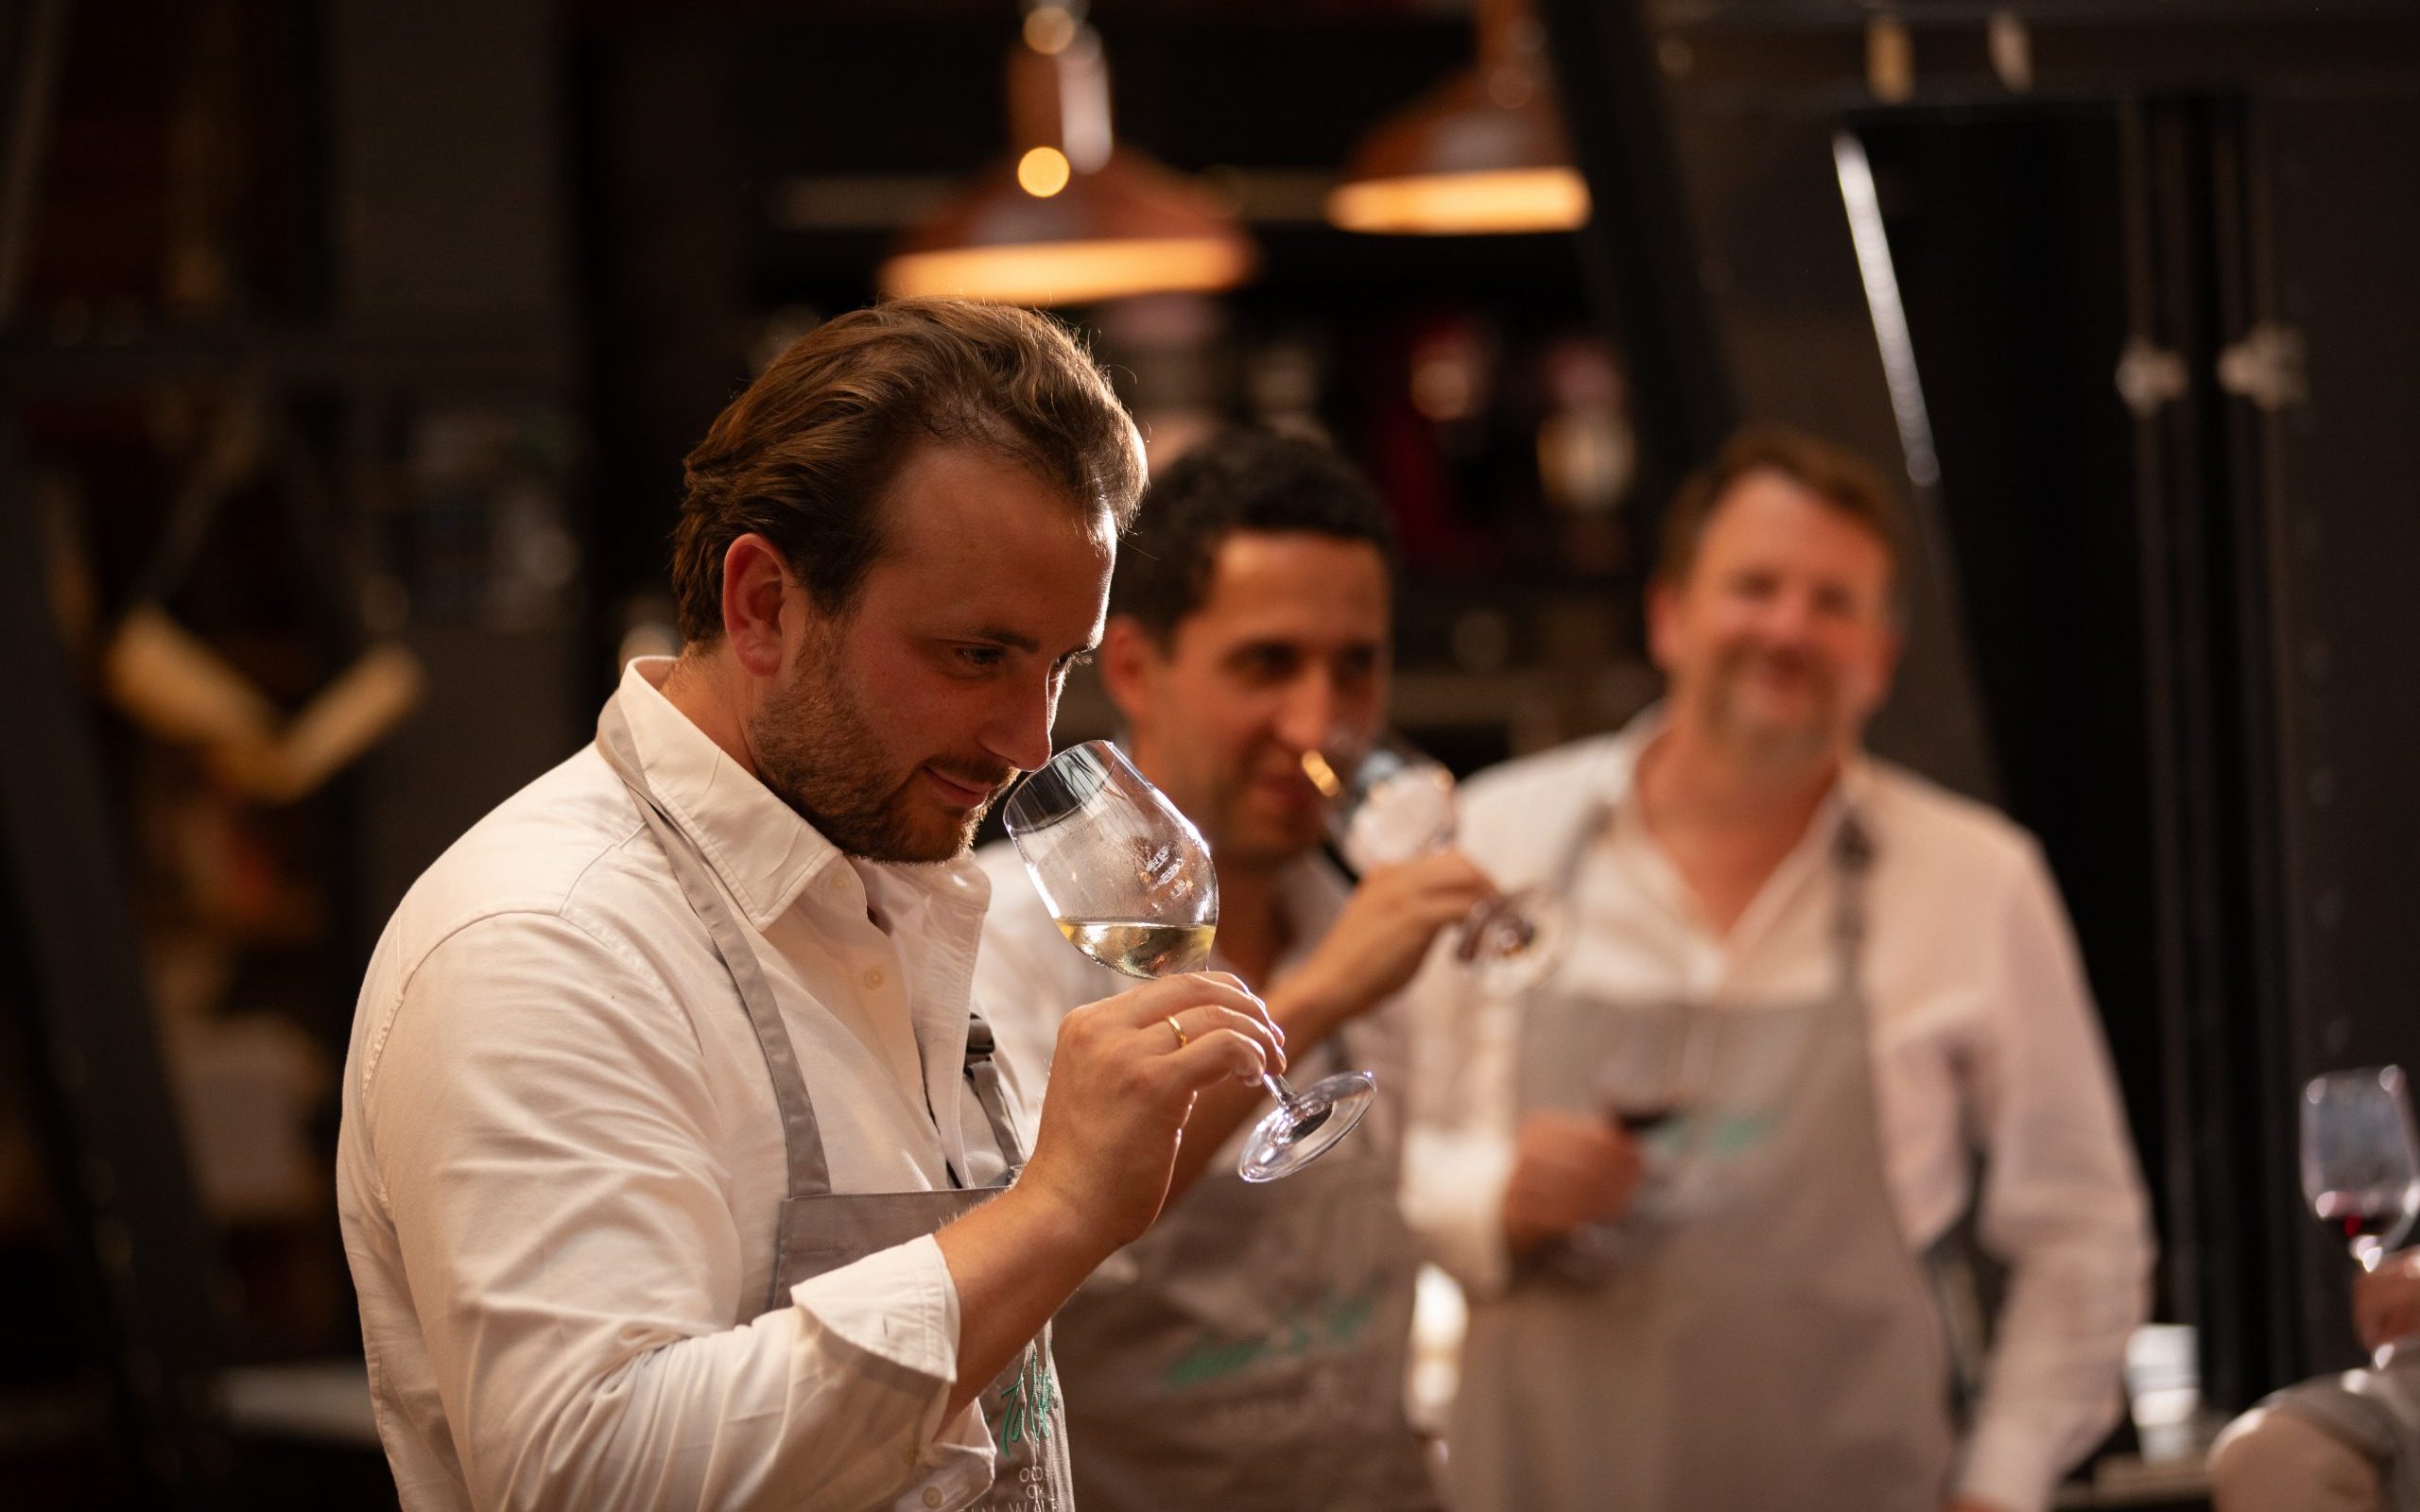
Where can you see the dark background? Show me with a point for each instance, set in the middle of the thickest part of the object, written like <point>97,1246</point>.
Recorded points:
<point>489,269</point>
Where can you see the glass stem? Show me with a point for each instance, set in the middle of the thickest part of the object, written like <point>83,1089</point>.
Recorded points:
<point>1285,1095</point>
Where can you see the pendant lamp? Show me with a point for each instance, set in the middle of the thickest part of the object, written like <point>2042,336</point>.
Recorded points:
<point>1484,153</point>
<point>1069,216</point>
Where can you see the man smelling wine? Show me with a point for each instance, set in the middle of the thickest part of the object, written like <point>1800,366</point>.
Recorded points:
<point>1250,1353</point>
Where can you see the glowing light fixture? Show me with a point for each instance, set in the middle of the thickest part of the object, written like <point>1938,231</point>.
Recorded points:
<point>1069,217</point>
<point>1043,172</point>
<point>1483,154</point>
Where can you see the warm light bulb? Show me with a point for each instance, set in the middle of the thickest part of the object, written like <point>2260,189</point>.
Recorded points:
<point>1043,172</point>
<point>1069,272</point>
<point>1048,29</point>
<point>1503,201</point>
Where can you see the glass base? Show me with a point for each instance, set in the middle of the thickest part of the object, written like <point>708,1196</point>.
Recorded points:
<point>1515,943</point>
<point>1290,1139</point>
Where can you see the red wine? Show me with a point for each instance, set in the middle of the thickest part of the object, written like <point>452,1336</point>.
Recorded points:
<point>2356,1224</point>
<point>2361,1214</point>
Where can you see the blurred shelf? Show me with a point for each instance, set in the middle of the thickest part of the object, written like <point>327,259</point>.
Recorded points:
<point>105,356</point>
<point>2129,1480</point>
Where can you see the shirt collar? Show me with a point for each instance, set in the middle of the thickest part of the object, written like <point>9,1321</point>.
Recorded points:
<point>764,854</point>
<point>1616,782</point>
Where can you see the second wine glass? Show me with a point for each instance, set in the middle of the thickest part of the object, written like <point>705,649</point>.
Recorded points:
<point>1129,881</point>
<point>2360,1158</point>
<point>1390,804</point>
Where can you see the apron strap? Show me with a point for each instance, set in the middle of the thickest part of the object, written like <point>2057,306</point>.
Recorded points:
<point>810,1175</point>
<point>1851,859</point>
<point>983,1074</point>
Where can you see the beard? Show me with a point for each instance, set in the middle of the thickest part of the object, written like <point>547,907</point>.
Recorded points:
<point>817,750</point>
<point>1733,712</point>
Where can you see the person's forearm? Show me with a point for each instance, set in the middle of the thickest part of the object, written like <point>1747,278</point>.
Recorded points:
<point>1307,1014</point>
<point>1014,1259</point>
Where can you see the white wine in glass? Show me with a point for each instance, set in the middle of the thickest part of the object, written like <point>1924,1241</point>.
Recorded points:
<point>1140,947</point>
<point>1129,880</point>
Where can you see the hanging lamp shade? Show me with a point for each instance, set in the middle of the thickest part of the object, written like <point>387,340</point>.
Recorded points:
<point>1484,153</point>
<point>1069,217</point>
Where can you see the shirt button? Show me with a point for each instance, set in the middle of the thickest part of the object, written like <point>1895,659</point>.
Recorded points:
<point>874,983</point>
<point>932,1496</point>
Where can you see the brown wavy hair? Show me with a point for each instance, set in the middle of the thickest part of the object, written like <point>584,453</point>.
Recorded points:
<point>1838,476</point>
<point>805,454</point>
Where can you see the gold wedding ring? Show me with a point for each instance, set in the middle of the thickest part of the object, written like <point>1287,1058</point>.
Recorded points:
<point>1178,1029</point>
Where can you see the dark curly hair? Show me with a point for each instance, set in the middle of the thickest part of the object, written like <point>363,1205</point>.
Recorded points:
<point>1238,479</point>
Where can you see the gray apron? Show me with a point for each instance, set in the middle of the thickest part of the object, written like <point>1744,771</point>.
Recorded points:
<point>1759,1339</point>
<point>820,1230</point>
<point>1247,1354</point>
<point>2377,1411</point>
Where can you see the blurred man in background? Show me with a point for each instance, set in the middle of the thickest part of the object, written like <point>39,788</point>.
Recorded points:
<point>1251,1352</point>
<point>672,1162</point>
<point>2346,1442</point>
<point>1817,987</point>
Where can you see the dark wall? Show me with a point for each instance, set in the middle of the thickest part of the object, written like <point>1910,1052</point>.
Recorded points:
<point>2337,181</point>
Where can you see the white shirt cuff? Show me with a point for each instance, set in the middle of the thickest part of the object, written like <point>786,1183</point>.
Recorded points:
<point>1453,1198</point>
<point>897,1304</point>
<point>2006,1468</point>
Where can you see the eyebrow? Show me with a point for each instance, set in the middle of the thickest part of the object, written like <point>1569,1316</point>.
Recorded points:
<point>1014,639</point>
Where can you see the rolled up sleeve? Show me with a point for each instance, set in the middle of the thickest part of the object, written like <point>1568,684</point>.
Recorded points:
<point>542,1135</point>
<point>1458,1151</point>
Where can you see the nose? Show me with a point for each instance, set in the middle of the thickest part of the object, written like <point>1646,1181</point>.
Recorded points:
<point>1306,718</point>
<point>1790,618</point>
<point>1019,732</point>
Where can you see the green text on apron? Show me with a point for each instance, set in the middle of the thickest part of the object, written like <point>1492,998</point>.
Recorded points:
<point>820,1230</point>
<point>1247,1354</point>
<point>1778,1350</point>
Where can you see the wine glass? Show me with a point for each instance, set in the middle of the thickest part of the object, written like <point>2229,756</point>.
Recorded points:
<point>2360,1159</point>
<point>1129,881</point>
<point>1389,803</point>
<point>1653,1068</point>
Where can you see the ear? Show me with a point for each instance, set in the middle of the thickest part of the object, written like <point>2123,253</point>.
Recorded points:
<point>1893,645</point>
<point>1130,663</point>
<point>1663,623</point>
<point>762,605</point>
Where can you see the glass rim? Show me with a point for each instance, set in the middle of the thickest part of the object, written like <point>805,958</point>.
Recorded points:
<point>1097,761</point>
<point>2388,1076</point>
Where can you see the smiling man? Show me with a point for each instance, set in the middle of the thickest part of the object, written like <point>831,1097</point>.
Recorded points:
<point>675,1171</point>
<point>1872,986</point>
<point>1249,1353</point>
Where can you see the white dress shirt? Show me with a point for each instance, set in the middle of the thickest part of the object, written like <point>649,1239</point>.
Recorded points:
<point>1984,1042</point>
<point>561,1157</point>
